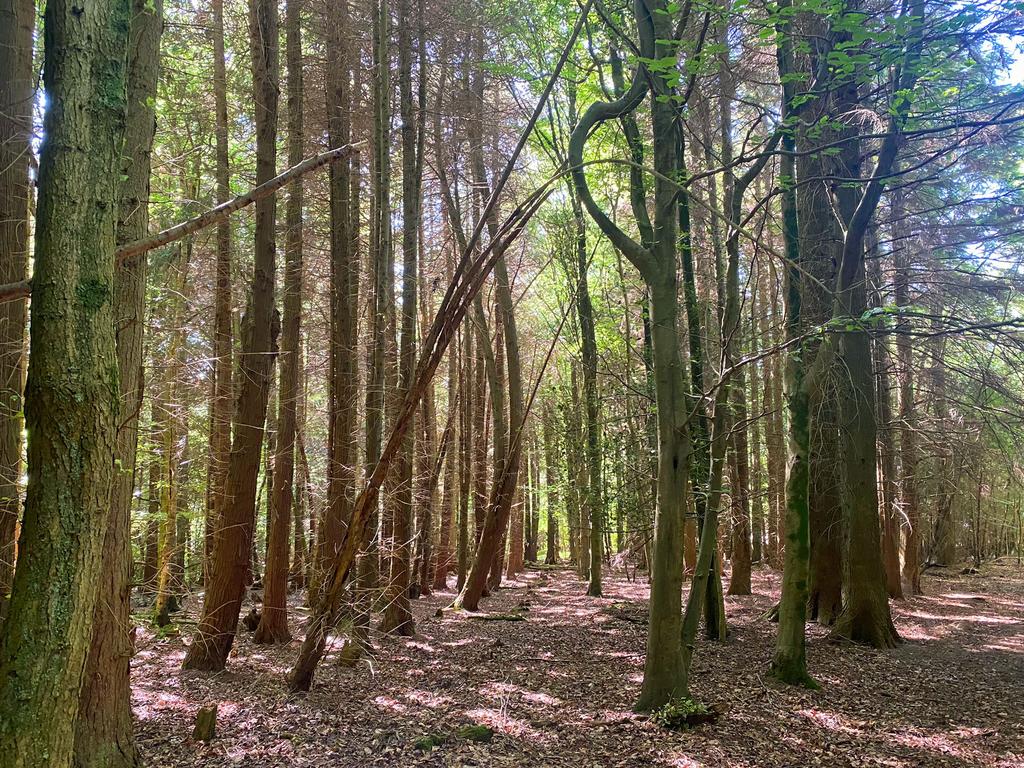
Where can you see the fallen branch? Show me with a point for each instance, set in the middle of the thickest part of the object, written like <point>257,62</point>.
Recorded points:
<point>23,288</point>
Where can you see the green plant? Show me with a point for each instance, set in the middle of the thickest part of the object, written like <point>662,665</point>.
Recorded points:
<point>683,713</point>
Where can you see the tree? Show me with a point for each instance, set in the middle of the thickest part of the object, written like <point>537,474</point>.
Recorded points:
<point>221,382</point>
<point>233,541</point>
<point>103,735</point>
<point>656,258</point>
<point>16,90</point>
<point>273,627</point>
<point>72,392</point>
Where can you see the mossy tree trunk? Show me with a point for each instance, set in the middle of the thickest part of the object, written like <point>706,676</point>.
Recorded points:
<point>789,663</point>
<point>103,735</point>
<point>73,392</point>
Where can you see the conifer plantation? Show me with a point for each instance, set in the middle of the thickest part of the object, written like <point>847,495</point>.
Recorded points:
<point>498,383</point>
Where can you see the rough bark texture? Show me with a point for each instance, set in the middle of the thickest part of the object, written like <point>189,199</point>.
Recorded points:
<point>103,735</point>
<point>72,393</point>
<point>344,302</point>
<point>233,541</point>
<point>790,661</point>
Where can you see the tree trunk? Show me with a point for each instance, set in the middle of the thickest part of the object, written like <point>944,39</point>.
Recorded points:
<point>886,447</point>
<point>16,96</point>
<point>594,501</point>
<point>343,380</point>
<point>72,392</point>
<point>273,626</point>
<point>221,397</point>
<point>908,415</point>
<point>552,483</point>
<point>233,542</point>
<point>397,617</point>
<point>103,735</point>
<point>470,397</point>
<point>451,498</point>
<point>789,663</point>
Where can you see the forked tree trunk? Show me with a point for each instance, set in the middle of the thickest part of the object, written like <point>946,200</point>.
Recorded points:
<point>665,674</point>
<point>72,393</point>
<point>233,542</point>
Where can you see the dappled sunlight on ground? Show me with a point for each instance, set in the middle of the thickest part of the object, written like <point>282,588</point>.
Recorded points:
<point>557,688</point>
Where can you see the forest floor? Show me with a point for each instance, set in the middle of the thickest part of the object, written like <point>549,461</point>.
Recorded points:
<point>557,688</point>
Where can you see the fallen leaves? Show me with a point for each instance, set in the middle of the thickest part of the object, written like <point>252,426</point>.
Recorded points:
<point>557,689</point>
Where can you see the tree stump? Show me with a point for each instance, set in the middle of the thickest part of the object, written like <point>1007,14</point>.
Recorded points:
<point>206,724</point>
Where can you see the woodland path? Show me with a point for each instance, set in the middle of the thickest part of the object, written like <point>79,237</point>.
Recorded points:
<point>557,688</point>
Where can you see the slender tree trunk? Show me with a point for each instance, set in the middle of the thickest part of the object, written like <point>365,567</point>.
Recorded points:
<point>72,392</point>
<point>151,557</point>
<point>790,661</point>
<point>17,22</point>
<point>397,617</point>
<point>297,570</point>
<point>273,626</point>
<point>451,498</point>
<point>166,436</point>
<point>221,398</point>
<point>343,381</point>
<point>551,482</point>
<point>886,447</point>
<point>908,414</point>
<point>758,488</point>
<point>233,546</point>
<point>467,466</point>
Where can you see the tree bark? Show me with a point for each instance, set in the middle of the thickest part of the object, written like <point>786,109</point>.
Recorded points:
<point>72,392</point>
<point>273,626</point>
<point>908,409</point>
<point>551,482</point>
<point>103,735</point>
<point>221,395</point>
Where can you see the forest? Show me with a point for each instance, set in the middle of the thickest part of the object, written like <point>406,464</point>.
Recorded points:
<point>505,383</point>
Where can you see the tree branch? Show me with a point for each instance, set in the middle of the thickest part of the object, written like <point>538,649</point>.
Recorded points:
<point>23,288</point>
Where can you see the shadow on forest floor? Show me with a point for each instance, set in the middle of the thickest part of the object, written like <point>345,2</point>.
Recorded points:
<point>557,688</point>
